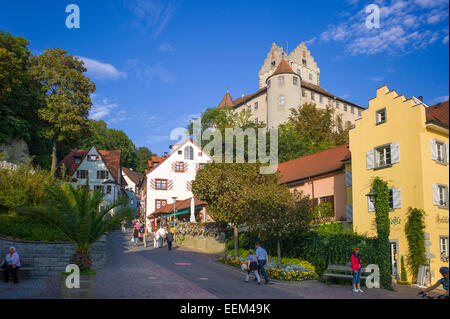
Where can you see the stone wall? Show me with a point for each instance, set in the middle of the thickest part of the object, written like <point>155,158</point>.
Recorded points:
<point>208,245</point>
<point>47,258</point>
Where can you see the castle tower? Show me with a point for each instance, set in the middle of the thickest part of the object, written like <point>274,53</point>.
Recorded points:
<point>283,93</point>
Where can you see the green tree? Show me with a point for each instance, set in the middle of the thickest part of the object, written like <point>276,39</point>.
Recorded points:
<point>143,156</point>
<point>275,213</point>
<point>76,213</point>
<point>19,94</point>
<point>67,101</point>
<point>223,186</point>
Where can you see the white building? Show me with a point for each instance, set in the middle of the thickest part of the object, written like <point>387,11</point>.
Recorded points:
<point>101,168</point>
<point>172,176</point>
<point>288,81</point>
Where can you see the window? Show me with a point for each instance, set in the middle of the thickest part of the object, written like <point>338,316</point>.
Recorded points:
<point>188,153</point>
<point>161,184</point>
<point>249,107</point>
<point>268,84</point>
<point>256,105</point>
<point>281,80</point>
<point>99,187</point>
<point>442,195</point>
<point>310,76</point>
<point>337,104</point>
<point>381,116</point>
<point>179,166</point>
<point>352,110</point>
<point>102,174</point>
<point>82,174</point>
<point>303,92</point>
<point>443,244</point>
<point>359,112</point>
<point>345,107</point>
<point>295,80</point>
<point>92,158</point>
<point>200,154</point>
<point>108,189</point>
<point>77,160</point>
<point>273,63</point>
<point>383,156</point>
<point>321,99</point>
<point>298,72</point>
<point>160,203</point>
<point>201,166</point>
<point>256,120</point>
<point>391,199</point>
<point>281,100</point>
<point>304,62</point>
<point>180,152</point>
<point>439,151</point>
<point>313,96</point>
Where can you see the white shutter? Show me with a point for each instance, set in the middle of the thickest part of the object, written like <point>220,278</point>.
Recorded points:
<point>370,159</point>
<point>397,198</point>
<point>446,197</point>
<point>395,153</point>
<point>436,194</point>
<point>370,205</point>
<point>446,152</point>
<point>348,178</point>
<point>433,150</point>
<point>349,209</point>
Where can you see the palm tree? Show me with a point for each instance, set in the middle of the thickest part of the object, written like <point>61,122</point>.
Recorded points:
<point>75,211</point>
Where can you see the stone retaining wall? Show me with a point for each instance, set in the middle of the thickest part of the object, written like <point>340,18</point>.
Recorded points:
<point>208,245</point>
<point>47,258</point>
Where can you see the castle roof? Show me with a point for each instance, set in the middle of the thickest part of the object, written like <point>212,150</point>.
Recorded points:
<point>283,68</point>
<point>227,101</point>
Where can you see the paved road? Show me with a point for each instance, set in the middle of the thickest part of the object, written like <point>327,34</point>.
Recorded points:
<point>184,274</point>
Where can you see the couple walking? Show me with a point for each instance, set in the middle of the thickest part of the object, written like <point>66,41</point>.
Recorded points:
<point>257,261</point>
<point>161,235</point>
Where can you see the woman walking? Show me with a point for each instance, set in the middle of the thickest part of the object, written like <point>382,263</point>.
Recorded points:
<point>135,236</point>
<point>356,268</point>
<point>252,265</point>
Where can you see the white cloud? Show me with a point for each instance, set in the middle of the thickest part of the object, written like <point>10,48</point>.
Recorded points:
<point>165,47</point>
<point>152,14</point>
<point>101,109</point>
<point>147,73</point>
<point>405,26</point>
<point>440,99</point>
<point>377,78</point>
<point>101,71</point>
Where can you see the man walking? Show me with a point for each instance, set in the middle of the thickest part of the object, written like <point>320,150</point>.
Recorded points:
<point>169,238</point>
<point>263,260</point>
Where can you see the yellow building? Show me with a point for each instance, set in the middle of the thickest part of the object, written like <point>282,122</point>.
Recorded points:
<point>404,142</point>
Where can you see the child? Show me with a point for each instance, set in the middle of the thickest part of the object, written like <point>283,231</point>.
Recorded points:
<point>252,265</point>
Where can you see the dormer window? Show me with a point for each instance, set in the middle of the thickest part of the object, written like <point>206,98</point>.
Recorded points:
<point>77,160</point>
<point>92,158</point>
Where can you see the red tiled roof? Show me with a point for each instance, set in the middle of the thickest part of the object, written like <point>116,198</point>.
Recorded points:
<point>134,176</point>
<point>438,113</point>
<point>111,159</point>
<point>313,165</point>
<point>227,101</point>
<point>282,68</point>
<point>179,205</point>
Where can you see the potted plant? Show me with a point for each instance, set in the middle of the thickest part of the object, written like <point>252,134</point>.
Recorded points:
<point>403,274</point>
<point>75,212</point>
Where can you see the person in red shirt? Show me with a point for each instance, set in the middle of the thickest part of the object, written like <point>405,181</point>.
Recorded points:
<point>356,268</point>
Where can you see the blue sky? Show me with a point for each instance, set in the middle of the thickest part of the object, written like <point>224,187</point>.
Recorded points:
<point>157,64</point>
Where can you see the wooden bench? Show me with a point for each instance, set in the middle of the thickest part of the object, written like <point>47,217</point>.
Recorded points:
<point>341,271</point>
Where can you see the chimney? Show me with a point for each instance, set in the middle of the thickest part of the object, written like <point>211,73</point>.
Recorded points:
<point>420,98</point>
<point>166,154</point>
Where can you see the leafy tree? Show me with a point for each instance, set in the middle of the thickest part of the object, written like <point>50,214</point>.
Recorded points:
<point>223,187</point>
<point>67,101</point>
<point>143,156</point>
<point>274,212</point>
<point>19,93</point>
<point>75,212</point>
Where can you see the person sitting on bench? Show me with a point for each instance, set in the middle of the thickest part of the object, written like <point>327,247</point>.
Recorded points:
<point>11,264</point>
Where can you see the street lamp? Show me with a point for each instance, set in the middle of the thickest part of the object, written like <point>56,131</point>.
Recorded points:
<point>372,195</point>
<point>174,210</point>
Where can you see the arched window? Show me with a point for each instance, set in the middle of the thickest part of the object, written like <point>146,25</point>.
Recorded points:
<point>188,153</point>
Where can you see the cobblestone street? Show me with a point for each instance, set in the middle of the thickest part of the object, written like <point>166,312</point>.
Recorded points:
<point>138,272</point>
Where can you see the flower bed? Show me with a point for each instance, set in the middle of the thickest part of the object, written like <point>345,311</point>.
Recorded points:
<point>291,269</point>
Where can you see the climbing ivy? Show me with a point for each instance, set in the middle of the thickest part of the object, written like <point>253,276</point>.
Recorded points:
<point>403,274</point>
<point>414,230</point>
<point>380,187</point>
